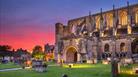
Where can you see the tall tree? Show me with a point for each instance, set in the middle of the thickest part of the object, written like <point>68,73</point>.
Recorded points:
<point>21,52</point>
<point>5,50</point>
<point>38,52</point>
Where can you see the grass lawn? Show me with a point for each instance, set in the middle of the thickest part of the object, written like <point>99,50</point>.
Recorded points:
<point>8,65</point>
<point>83,70</point>
<point>88,70</point>
<point>127,71</point>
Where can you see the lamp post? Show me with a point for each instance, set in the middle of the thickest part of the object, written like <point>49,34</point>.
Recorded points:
<point>114,62</point>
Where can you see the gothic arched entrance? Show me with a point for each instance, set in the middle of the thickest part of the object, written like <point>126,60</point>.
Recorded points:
<point>134,46</point>
<point>71,55</point>
<point>122,47</point>
<point>106,48</point>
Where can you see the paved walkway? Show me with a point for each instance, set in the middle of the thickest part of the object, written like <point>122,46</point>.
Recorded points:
<point>10,69</point>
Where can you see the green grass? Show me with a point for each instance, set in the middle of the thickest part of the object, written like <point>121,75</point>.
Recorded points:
<point>50,63</point>
<point>97,70</point>
<point>78,70</point>
<point>127,75</point>
<point>129,67</point>
<point>8,65</point>
<point>127,71</point>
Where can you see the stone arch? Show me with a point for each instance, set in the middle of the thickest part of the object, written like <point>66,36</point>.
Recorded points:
<point>123,17</point>
<point>106,48</point>
<point>122,47</point>
<point>134,46</point>
<point>71,54</point>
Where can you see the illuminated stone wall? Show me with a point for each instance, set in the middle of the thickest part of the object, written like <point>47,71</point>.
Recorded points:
<point>90,34</point>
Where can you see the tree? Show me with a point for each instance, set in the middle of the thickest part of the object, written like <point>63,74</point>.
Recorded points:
<point>5,50</point>
<point>47,48</point>
<point>21,52</point>
<point>37,52</point>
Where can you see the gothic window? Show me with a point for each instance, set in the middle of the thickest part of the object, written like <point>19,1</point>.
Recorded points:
<point>106,48</point>
<point>134,46</point>
<point>136,16</point>
<point>93,23</point>
<point>122,47</point>
<point>73,29</point>
<point>109,20</point>
<point>97,22</point>
<point>123,18</point>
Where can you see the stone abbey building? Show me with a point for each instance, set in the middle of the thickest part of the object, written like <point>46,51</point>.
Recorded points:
<point>98,36</point>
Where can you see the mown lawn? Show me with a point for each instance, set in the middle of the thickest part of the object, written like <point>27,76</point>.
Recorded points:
<point>127,71</point>
<point>8,65</point>
<point>78,70</point>
<point>97,70</point>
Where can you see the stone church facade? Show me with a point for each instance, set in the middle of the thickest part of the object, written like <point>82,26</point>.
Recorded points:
<point>99,35</point>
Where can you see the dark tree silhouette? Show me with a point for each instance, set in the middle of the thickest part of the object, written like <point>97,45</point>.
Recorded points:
<point>5,50</point>
<point>38,52</point>
<point>21,52</point>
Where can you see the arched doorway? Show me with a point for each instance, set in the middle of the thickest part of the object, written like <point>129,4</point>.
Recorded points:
<point>71,55</point>
<point>106,53</point>
<point>134,46</point>
<point>106,48</point>
<point>122,47</point>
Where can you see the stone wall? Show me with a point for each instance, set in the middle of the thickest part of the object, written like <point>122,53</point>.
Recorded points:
<point>90,44</point>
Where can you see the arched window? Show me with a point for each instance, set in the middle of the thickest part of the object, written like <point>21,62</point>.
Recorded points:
<point>123,18</point>
<point>106,48</point>
<point>109,20</point>
<point>73,29</point>
<point>97,22</point>
<point>134,46</point>
<point>122,47</point>
<point>136,16</point>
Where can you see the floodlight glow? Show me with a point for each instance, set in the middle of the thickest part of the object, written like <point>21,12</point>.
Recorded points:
<point>128,72</point>
<point>79,66</point>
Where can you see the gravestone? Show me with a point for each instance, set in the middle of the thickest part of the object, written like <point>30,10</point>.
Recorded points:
<point>39,66</point>
<point>105,62</point>
<point>136,70</point>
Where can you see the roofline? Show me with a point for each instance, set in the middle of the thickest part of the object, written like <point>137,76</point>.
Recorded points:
<point>124,7</point>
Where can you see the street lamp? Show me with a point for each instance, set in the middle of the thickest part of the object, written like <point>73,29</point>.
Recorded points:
<point>114,63</point>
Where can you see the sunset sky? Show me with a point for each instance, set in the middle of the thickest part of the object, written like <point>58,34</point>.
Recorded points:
<point>26,23</point>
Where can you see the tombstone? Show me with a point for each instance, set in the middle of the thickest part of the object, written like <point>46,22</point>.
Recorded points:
<point>95,61</point>
<point>135,58</point>
<point>4,61</point>
<point>109,59</point>
<point>105,62</point>
<point>136,70</point>
<point>90,61</point>
<point>39,66</point>
<point>128,61</point>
